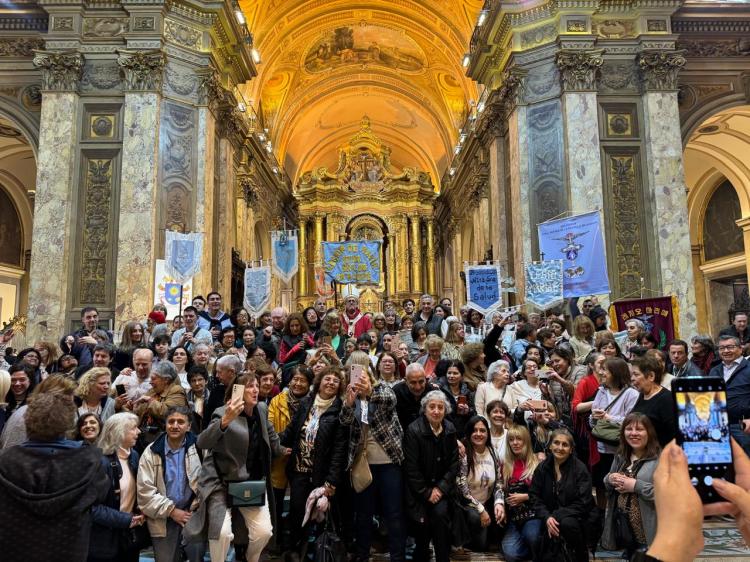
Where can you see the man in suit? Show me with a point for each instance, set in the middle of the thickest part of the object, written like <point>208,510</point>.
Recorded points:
<point>678,355</point>
<point>735,370</point>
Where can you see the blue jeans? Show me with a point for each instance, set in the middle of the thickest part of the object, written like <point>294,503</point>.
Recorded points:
<point>522,540</point>
<point>742,438</point>
<point>387,489</point>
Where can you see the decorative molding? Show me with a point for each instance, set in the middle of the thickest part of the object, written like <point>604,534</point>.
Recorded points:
<point>143,69</point>
<point>183,35</point>
<point>62,23</point>
<point>660,69</point>
<point>20,47</point>
<point>717,49</point>
<point>61,71</point>
<point>181,80</point>
<point>579,69</point>
<point>710,26</point>
<point>538,35</point>
<point>627,222</point>
<point>104,28</point>
<point>618,77</point>
<point>31,97</point>
<point>96,232</point>
<point>513,88</point>
<point>144,23</point>
<point>14,23</point>
<point>613,28</point>
<point>248,189</point>
<point>101,75</point>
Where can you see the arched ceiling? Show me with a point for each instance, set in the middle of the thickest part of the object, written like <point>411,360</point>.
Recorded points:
<point>327,63</point>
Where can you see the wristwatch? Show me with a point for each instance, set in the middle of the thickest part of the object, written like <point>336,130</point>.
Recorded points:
<point>641,556</point>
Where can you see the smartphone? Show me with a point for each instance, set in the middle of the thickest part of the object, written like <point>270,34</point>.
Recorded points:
<point>238,391</point>
<point>537,405</point>
<point>703,431</point>
<point>324,340</point>
<point>461,400</point>
<point>120,388</point>
<point>355,374</point>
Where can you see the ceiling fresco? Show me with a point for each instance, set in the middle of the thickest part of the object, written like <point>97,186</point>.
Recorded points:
<point>327,63</point>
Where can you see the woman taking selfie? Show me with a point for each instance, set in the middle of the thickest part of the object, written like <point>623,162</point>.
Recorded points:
<point>630,520</point>
<point>561,495</point>
<point>523,531</point>
<point>480,483</point>
<point>295,342</point>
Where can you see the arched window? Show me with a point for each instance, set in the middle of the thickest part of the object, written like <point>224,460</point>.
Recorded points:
<point>721,235</point>
<point>11,244</point>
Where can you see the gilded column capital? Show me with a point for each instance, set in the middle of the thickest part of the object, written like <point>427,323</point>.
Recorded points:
<point>579,69</point>
<point>247,189</point>
<point>143,69</point>
<point>660,69</point>
<point>513,89</point>
<point>61,70</point>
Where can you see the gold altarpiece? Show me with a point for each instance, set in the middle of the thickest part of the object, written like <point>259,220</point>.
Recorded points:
<point>366,197</point>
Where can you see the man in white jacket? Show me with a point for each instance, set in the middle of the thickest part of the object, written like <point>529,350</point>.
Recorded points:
<point>167,482</point>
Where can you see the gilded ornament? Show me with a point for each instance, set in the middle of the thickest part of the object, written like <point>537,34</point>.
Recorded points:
<point>183,35</point>
<point>96,232</point>
<point>627,222</point>
<point>619,124</point>
<point>102,125</point>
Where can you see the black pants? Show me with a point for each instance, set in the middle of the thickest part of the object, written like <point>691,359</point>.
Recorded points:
<point>574,534</point>
<point>479,534</point>
<point>300,486</point>
<point>436,528</point>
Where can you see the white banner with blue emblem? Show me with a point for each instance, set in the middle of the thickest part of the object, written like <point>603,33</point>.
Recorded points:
<point>182,255</point>
<point>544,283</point>
<point>257,288</point>
<point>284,254</point>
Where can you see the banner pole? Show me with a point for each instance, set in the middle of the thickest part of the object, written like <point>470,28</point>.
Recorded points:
<point>180,310</point>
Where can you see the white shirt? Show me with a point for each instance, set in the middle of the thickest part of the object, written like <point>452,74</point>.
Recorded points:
<point>729,369</point>
<point>134,387</point>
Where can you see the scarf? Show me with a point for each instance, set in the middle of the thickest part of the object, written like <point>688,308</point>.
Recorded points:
<point>319,408</point>
<point>293,403</point>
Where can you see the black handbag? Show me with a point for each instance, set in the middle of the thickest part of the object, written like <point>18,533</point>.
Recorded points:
<point>519,513</point>
<point>134,538</point>
<point>624,537</point>
<point>328,547</point>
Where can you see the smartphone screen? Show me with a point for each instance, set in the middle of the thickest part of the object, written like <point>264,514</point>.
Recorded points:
<point>120,389</point>
<point>238,391</point>
<point>703,431</point>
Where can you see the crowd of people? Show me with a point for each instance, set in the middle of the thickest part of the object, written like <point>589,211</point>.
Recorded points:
<point>420,431</point>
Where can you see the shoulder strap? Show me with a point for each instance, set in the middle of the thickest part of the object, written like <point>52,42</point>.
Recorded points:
<point>615,400</point>
<point>114,464</point>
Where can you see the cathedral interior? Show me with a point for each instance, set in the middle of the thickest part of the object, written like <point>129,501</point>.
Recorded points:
<point>447,129</point>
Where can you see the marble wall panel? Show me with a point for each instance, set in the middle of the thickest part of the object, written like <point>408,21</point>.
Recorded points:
<point>53,205</point>
<point>225,233</point>
<point>137,235</point>
<point>519,195</point>
<point>204,190</point>
<point>499,216</point>
<point>668,200</point>
<point>582,148</point>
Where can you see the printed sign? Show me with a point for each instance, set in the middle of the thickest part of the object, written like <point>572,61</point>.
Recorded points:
<point>544,283</point>
<point>167,290</point>
<point>257,289</point>
<point>656,313</point>
<point>284,254</point>
<point>483,286</point>
<point>355,262</point>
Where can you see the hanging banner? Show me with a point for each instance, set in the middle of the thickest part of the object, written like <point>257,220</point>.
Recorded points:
<point>323,286</point>
<point>578,241</point>
<point>356,261</point>
<point>483,287</point>
<point>167,290</point>
<point>544,283</point>
<point>257,288</point>
<point>284,254</point>
<point>182,254</point>
<point>658,314</point>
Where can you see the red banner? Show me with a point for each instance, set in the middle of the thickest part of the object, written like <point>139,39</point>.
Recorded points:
<point>659,315</point>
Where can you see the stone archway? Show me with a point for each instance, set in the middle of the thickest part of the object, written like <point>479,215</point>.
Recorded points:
<point>718,179</point>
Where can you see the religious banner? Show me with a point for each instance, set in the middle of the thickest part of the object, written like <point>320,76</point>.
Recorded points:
<point>483,287</point>
<point>355,261</point>
<point>284,254</point>
<point>658,314</point>
<point>167,290</point>
<point>578,240</point>
<point>323,286</point>
<point>257,288</point>
<point>544,283</point>
<point>182,255</point>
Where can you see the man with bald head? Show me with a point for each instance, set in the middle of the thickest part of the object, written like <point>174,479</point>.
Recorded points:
<point>137,381</point>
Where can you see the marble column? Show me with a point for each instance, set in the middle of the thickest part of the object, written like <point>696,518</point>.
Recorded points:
<point>402,254</point>
<point>431,285</point>
<point>415,255</point>
<point>519,197</point>
<point>56,194</point>
<point>204,198</point>
<point>391,263</point>
<point>225,205</point>
<point>137,228</point>
<point>666,179</point>
<point>498,215</point>
<point>319,238</point>
<point>302,246</point>
<point>578,69</point>
<point>459,288</point>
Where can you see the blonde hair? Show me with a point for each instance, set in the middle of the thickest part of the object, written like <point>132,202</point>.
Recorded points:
<point>53,352</point>
<point>529,458</point>
<point>4,384</point>
<point>358,357</point>
<point>113,432</point>
<point>88,380</point>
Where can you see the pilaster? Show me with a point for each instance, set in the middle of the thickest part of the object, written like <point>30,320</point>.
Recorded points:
<point>302,249</point>
<point>137,229</point>
<point>431,285</point>
<point>666,178</point>
<point>56,193</point>
<point>415,255</point>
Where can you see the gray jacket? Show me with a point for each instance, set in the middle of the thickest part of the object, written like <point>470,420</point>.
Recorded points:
<point>644,490</point>
<point>226,461</point>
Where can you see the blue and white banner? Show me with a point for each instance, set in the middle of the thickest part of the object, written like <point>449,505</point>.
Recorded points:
<point>544,283</point>
<point>356,261</point>
<point>182,255</point>
<point>578,242</point>
<point>483,286</point>
<point>257,288</point>
<point>284,254</point>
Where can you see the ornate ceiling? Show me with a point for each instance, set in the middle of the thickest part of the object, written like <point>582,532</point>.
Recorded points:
<point>327,63</point>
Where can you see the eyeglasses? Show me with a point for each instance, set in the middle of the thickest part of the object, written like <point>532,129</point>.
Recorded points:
<point>727,347</point>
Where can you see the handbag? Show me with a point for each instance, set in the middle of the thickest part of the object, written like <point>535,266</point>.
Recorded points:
<point>607,431</point>
<point>361,475</point>
<point>133,538</point>
<point>519,513</point>
<point>624,537</point>
<point>250,493</point>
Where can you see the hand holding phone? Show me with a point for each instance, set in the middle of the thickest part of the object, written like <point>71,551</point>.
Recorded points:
<point>238,392</point>
<point>120,388</point>
<point>355,374</point>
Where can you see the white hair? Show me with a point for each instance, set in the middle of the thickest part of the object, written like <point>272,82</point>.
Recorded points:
<point>229,361</point>
<point>494,368</point>
<point>432,396</point>
<point>113,432</point>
